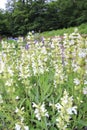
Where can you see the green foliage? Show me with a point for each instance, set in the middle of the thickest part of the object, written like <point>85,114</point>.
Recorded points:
<point>82,29</point>
<point>23,16</point>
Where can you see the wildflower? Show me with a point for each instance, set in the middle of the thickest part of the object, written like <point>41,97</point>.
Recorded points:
<point>65,110</point>
<point>10,71</point>
<point>17,127</point>
<point>27,46</point>
<point>17,110</point>
<point>43,40</point>
<point>76,81</point>
<point>20,39</point>
<point>75,67</point>
<point>58,106</point>
<point>9,82</point>
<point>40,111</point>
<point>43,51</point>
<point>26,128</point>
<point>17,97</point>
<point>71,42</point>
<point>82,54</point>
<point>2,65</point>
<point>61,124</point>
<point>85,90</point>
<point>72,110</point>
<point>22,108</point>
<point>85,82</point>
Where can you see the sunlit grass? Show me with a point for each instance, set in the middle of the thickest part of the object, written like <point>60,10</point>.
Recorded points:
<point>82,30</point>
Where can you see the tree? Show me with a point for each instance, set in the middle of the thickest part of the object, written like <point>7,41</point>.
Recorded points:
<point>22,16</point>
<point>4,23</point>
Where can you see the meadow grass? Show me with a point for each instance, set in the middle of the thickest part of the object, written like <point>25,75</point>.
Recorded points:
<point>82,30</point>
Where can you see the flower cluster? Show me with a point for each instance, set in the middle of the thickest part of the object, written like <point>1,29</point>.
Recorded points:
<point>40,111</point>
<point>19,127</point>
<point>20,124</point>
<point>65,111</point>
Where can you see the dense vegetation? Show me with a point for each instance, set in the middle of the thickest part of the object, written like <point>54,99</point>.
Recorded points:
<point>43,81</point>
<point>82,30</point>
<point>43,85</point>
<point>22,16</point>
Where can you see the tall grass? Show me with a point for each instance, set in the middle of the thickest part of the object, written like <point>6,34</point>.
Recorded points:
<point>82,30</point>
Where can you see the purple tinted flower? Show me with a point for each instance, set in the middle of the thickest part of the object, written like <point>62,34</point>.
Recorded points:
<point>27,46</point>
<point>35,41</point>
<point>15,38</point>
<point>42,39</point>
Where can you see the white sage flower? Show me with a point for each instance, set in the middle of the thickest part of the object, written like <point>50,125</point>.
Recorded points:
<point>76,81</point>
<point>85,90</point>
<point>17,127</point>
<point>40,110</point>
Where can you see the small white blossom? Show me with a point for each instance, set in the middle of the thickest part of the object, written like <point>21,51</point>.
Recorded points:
<point>82,54</point>
<point>40,110</point>
<point>17,97</point>
<point>26,128</point>
<point>44,50</point>
<point>72,110</point>
<point>2,65</point>
<point>76,81</point>
<point>58,106</point>
<point>22,108</point>
<point>17,110</point>
<point>17,127</point>
<point>10,71</point>
<point>85,82</point>
<point>21,119</point>
<point>9,82</point>
<point>85,90</point>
